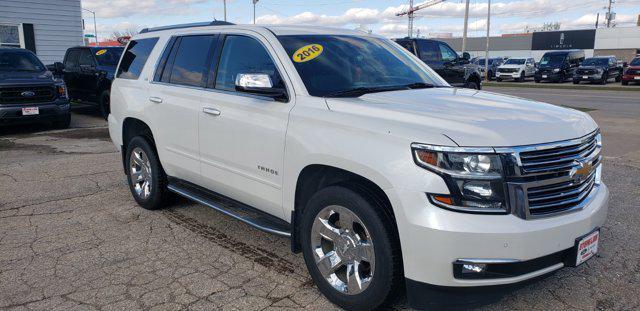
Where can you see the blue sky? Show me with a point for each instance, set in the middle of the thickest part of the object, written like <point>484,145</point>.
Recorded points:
<point>509,16</point>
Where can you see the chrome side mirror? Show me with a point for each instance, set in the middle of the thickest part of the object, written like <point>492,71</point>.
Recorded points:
<point>246,81</point>
<point>260,84</point>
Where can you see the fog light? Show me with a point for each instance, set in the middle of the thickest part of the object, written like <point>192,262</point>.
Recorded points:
<point>473,268</point>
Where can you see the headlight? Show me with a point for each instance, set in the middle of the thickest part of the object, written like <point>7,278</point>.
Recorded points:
<point>474,177</point>
<point>62,91</point>
<point>556,70</point>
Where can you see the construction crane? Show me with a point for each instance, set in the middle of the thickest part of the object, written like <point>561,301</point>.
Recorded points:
<point>412,9</point>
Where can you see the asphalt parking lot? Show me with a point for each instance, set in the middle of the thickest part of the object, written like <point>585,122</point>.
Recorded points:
<point>72,238</point>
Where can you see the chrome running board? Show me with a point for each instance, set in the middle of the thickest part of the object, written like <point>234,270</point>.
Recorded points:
<point>242,212</point>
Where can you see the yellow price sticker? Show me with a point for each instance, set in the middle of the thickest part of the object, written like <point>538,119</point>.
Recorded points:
<point>101,52</point>
<point>307,53</point>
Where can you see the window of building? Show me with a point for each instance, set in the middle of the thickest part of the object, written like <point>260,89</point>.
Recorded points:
<point>9,36</point>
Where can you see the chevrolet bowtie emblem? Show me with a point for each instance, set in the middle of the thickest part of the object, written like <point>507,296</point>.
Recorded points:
<point>581,171</point>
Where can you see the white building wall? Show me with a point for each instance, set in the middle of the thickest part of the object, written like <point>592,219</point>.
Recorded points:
<point>617,38</point>
<point>57,24</point>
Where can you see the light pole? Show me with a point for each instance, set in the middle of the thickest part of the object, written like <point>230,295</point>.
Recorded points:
<point>95,27</point>
<point>225,9</point>
<point>466,24</point>
<point>254,10</point>
<point>486,52</point>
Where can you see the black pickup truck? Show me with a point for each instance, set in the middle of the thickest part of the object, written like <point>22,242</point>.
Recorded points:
<point>88,73</point>
<point>29,93</point>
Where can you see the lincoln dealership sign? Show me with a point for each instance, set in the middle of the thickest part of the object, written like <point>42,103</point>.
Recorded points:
<point>564,40</point>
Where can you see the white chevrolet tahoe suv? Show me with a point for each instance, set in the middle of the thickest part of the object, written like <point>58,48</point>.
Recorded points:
<point>517,69</point>
<point>387,179</point>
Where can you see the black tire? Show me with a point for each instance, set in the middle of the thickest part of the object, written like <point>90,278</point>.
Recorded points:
<point>604,79</point>
<point>625,82</point>
<point>522,78</point>
<point>387,281</point>
<point>576,81</point>
<point>472,85</point>
<point>618,78</point>
<point>159,194</point>
<point>536,80</point>
<point>105,104</point>
<point>63,123</point>
<point>498,79</point>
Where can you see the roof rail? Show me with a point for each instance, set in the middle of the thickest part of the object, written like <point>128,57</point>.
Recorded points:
<point>189,25</point>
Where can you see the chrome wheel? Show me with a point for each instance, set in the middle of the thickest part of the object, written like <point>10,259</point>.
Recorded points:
<point>140,169</point>
<point>343,249</point>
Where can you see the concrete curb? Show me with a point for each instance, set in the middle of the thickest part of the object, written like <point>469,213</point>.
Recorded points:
<point>630,88</point>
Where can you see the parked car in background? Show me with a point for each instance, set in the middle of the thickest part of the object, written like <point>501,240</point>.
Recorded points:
<point>29,93</point>
<point>391,180</point>
<point>516,68</point>
<point>632,73</point>
<point>598,69</point>
<point>494,63</point>
<point>88,73</point>
<point>558,66</point>
<point>456,70</point>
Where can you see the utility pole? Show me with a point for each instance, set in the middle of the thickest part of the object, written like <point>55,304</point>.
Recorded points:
<point>225,9</point>
<point>486,51</point>
<point>466,25</point>
<point>95,25</point>
<point>609,14</point>
<point>412,9</point>
<point>254,10</point>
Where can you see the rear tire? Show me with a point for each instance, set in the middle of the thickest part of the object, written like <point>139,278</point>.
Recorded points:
<point>105,104</point>
<point>625,82</point>
<point>146,178</point>
<point>382,276</point>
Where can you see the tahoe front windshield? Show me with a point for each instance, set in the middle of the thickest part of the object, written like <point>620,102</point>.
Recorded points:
<point>353,65</point>
<point>19,61</point>
<point>514,61</point>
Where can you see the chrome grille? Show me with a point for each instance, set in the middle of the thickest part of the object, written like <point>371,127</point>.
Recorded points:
<point>556,159</point>
<point>13,95</point>
<point>555,178</point>
<point>508,70</point>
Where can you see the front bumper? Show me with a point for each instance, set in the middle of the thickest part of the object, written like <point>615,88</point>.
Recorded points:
<point>508,75</point>
<point>590,78</point>
<point>631,78</point>
<point>48,112</point>
<point>433,239</point>
<point>557,76</point>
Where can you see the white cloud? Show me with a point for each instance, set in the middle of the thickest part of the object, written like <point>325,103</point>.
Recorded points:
<point>351,16</point>
<point>126,8</point>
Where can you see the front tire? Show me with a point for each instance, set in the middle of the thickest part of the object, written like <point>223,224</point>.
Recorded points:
<point>351,249</point>
<point>472,85</point>
<point>147,180</point>
<point>64,123</point>
<point>105,104</point>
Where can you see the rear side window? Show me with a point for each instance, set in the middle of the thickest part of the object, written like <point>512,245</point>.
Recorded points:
<point>71,62</point>
<point>408,45</point>
<point>135,57</point>
<point>191,60</point>
<point>86,59</point>
<point>241,54</point>
<point>429,51</point>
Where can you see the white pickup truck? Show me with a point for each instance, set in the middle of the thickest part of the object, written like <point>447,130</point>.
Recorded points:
<point>385,177</point>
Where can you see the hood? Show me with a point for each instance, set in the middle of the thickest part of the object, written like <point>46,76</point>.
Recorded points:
<point>511,66</point>
<point>591,67</point>
<point>468,117</point>
<point>25,77</point>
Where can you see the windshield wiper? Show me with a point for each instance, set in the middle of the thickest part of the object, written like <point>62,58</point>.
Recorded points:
<point>420,85</point>
<point>359,91</point>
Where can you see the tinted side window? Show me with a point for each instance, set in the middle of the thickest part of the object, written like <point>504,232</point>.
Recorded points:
<point>86,59</point>
<point>135,57</point>
<point>71,62</point>
<point>242,54</point>
<point>447,53</point>
<point>191,60</point>
<point>429,51</point>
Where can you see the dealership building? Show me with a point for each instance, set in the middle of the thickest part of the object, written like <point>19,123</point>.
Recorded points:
<point>46,27</point>
<point>623,42</point>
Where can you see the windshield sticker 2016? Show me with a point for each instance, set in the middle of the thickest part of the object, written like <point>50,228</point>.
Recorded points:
<point>101,52</point>
<point>307,53</point>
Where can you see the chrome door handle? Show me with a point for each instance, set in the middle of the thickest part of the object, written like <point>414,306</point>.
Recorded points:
<point>156,100</point>
<point>211,111</point>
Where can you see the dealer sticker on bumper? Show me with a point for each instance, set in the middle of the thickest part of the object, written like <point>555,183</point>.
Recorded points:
<point>544,76</point>
<point>585,77</point>
<point>29,111</point>
<point>587,247</point>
